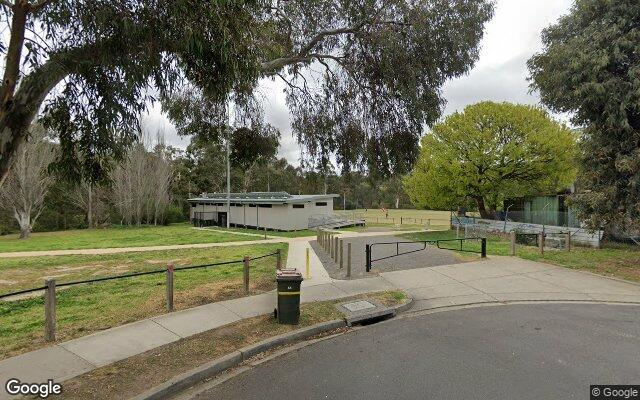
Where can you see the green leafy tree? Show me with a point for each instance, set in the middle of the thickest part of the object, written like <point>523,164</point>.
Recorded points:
<point>490,152</point>
<point>385,62</point>
<point>103,57</point>
<point>590,67</point>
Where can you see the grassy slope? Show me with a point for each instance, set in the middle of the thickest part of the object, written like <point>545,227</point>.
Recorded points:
<point>115,237</point>
<point>621,261</point>
<point>88,308</point>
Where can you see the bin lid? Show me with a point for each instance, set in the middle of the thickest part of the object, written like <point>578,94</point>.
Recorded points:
<point>288,274</point>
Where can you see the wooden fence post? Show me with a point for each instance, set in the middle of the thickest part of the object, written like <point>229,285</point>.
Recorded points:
<point>246,275</point>
<point>348,259</point>
<point>567,241</point>
<point>50,310</point>
<point>170,288</point>
<point>513,243</point>
<point>279,259</point>
<point>541,243</point>
<point>265,232</point>
<point>341,254</point>
<point>335,249</point>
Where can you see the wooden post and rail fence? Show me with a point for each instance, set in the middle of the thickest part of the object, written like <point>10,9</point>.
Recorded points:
<point>50,298</point>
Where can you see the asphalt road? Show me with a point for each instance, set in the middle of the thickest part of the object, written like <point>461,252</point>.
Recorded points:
<point>546,351</point>
<point>418,256</point>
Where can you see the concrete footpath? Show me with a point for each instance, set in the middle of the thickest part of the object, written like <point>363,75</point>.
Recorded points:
<point>117,250</point>
<point>494,280</point>
<point>72,358</point>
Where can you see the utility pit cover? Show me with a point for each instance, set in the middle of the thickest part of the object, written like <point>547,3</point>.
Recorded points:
<point>358,306</point>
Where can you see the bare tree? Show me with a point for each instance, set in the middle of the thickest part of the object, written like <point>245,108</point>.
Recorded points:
<point>28,182</point>
<point>90,198</point>
<point>140,190</point>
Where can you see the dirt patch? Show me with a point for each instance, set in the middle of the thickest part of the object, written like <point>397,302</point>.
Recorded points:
<point>627,268</point>
<point>218,291</point>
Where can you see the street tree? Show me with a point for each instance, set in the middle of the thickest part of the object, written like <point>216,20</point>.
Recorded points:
<point>29,181</point>
<point>590,67</point>
<point>93,66</point>
<point>489,152</point>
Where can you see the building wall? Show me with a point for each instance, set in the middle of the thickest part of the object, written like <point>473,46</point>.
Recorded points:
<point>283,217</point>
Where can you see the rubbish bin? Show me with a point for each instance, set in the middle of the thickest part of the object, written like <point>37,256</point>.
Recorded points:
<point>288,311</point>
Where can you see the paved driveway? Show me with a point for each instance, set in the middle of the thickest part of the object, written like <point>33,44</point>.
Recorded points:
<point>546,351</point>
<point>417,256</point>
<point>503,279</point>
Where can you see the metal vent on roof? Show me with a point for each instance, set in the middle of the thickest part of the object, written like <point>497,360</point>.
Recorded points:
<point>252,195</point>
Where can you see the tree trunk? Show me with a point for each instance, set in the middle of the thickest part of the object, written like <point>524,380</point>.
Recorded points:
<point>24,222</point>
<point>397,202</point>
<point>484,213</point>
<point>90,207</point>
<point>17,115</point>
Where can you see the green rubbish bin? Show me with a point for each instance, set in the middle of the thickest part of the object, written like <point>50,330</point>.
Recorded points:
<point>288,311</point>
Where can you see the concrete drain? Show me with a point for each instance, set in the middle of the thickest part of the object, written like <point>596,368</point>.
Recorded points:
<point>364,312</point>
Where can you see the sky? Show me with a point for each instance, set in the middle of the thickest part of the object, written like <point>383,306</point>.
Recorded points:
<point>511,38</point>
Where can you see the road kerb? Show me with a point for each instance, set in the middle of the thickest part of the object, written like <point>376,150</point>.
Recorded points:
<point>209,370</point>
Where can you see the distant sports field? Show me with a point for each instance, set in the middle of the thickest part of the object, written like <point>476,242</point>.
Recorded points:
<point>400,216</point>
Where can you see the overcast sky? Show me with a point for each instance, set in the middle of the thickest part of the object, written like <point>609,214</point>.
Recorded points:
<point>511,37</point>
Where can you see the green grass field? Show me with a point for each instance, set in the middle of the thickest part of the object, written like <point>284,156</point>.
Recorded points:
<point>289,234</point>
<point>400,216</point>
<point>116,236</point>
<point>87,308</point>
<point>619,261</point>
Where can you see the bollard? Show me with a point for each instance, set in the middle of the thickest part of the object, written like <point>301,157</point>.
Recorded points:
<point>308,265</point>
<point>279,259</point>
<point>367,253</point>
<point>541,243</point>
<point>483,248</point>
<point>349,260</point>
<point>265,233</point>
<point>567,241</point>
<point>50,310</point>
<point>335,249</point>
<point>246,275</point>
<point>329,243</point>
<point>513,243</point>
<point>341,254</point>
<point>170,288</point>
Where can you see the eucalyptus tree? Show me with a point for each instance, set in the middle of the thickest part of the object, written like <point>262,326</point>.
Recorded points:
<point>91,66</point>
<point>29,181</point>
<point>589,68</point>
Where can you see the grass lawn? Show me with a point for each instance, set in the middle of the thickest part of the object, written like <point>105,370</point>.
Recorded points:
<point>441,217</point>
<point>291,234</point>
<point>620,261</point>
<point>372,226</point>
<point>130,377</point>
<point>87,308</point>
<point>116,236</point>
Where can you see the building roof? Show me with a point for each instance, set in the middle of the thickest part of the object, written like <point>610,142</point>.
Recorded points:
<point>261,197</point>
